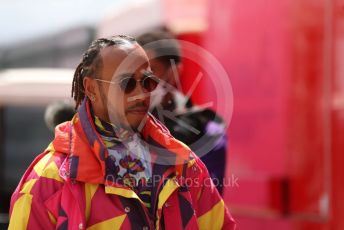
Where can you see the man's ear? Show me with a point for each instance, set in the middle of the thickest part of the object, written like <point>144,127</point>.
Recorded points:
<point>89,86</point>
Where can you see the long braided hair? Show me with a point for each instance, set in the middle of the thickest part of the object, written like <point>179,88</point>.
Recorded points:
<point>91,63</point>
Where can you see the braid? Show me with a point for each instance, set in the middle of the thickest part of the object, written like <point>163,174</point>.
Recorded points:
<point>91,62</point>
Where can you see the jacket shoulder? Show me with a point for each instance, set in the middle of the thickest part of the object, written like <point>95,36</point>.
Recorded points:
<point>42,177</point>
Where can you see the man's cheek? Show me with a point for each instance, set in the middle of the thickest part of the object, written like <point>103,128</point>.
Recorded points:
<point>147,99</point>
<point>116,111</point>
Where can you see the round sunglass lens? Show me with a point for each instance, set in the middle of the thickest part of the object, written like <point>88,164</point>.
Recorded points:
<point>150,83</point>
<point>128,85</point>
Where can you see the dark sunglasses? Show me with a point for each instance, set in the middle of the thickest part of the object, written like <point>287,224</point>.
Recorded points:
<point>128,84</point>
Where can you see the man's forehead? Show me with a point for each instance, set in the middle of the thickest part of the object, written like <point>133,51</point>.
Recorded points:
<point>123,59</point>
<point>118,53</point>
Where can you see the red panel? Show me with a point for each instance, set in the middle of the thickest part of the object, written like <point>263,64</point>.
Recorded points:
<point>308,115</point>
<point>191,69</point>
<point>286,140</point>
<point>337,190</point>
<point>256,55</point>
<point>285,62</point>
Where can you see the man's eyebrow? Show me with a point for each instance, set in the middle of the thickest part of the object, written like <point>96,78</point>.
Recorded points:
<point>125,75</point>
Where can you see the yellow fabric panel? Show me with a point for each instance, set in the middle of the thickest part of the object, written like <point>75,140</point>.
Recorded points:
<point>52,218</point>
<point>146,193</point>
<point>213,219</point>
<point>122,192</point>
<point>48,171</point>
<point>52,172</point>
<point>148,205</point>
<point>21,212</point>
<point>90,189</point>
<point>166,191</point>
<point>98,123</point>
<point>28,186</point>
<point>108,144</point>
<point>50,148</point>
<point>170,186</point>
<point>113,223</point>
<point>191,163</point>
<point>39,167</point>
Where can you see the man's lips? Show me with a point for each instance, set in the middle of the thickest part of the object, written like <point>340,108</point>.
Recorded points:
<point>139,110</point>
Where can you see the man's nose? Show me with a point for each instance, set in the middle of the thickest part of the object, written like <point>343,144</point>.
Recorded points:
<point>139,89</point>
<point>139,93</point>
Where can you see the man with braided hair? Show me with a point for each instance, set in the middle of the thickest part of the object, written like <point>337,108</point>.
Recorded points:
<point>210,142</point>
<point>114,166</point>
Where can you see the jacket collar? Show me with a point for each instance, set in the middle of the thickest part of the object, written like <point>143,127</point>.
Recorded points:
<point>87,153</point>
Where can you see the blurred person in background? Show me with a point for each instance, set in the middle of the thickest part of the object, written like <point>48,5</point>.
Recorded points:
<point>104,169</point>
<point>57,113</point>
<point>165,56</point>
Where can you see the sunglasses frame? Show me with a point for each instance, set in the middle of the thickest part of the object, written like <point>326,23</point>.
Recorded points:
<point>141,82</point>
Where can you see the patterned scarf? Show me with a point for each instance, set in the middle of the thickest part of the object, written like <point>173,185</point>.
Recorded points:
<point>129,161</point>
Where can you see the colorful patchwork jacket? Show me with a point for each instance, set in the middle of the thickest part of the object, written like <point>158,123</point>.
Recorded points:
<point>66,186</point>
